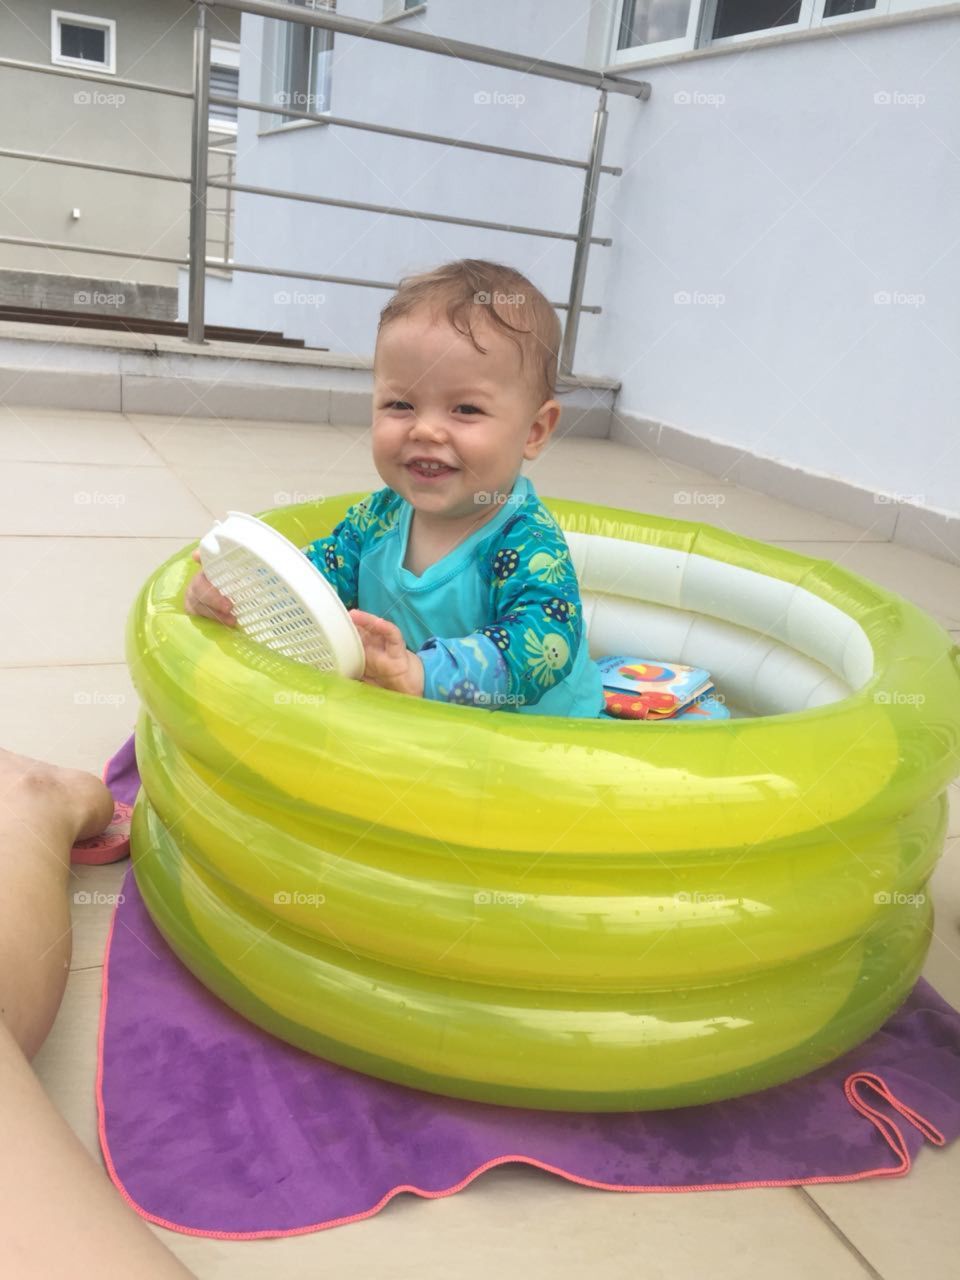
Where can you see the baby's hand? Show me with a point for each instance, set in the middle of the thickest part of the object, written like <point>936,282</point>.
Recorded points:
<point>389,663</point>
<point>203,598</point>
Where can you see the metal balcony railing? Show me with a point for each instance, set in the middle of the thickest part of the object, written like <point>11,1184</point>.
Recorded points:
<point>201,183</point>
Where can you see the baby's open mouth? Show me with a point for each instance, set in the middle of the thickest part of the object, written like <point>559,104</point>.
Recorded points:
<point>430,469</point>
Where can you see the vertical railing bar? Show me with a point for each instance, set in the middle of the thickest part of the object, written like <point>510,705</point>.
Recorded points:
<point>228,211</point>
<point>198,177</point>
<point>584,232</point>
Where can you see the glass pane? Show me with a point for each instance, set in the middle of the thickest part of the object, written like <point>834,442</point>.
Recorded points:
<point>734,17</point>
<point>296,70</point>
<point>303,58</point>
<point>88,43</point>
<point>224,81</point>
<point>834,8</point>
<point>322,66</point>
<point>650,21</point>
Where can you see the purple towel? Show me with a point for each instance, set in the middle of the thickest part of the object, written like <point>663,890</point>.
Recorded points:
<point>211,1126</point>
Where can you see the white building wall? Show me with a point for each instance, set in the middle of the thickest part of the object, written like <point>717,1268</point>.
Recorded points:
<point>81,120</point>
<point>799,198</point>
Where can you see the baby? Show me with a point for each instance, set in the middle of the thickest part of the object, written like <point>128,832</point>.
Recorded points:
<point>457,577</point>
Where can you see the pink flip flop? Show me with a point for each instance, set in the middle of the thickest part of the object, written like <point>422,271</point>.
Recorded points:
<point>110,845</point>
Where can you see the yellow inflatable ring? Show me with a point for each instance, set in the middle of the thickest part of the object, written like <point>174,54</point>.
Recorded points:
<point>546,912</point>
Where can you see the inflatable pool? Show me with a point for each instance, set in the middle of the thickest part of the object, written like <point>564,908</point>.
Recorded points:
<point>565,914</point>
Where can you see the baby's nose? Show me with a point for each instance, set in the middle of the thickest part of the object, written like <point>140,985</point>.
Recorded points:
<point>425,425</point>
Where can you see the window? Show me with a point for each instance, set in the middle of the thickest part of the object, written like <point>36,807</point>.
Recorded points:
<point>225,81</point>
<point>844,8</point>
<point>737,17</point>
<point>298,64</point>
<point>656,27</point>
<point>744,19</point>
<point>834,8</point>
<point>79,40</point>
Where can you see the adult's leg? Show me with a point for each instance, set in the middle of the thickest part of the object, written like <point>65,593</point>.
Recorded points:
<point>59,1213</point>
<point>43,809</point>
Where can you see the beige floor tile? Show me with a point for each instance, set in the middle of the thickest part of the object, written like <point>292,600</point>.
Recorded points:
<point>746,512</point>
<point>75,716</point>
<point>67,1061</point>
<point>66,600</point>
<point>518,1222</point>
<point>728,507</point>
<point>83,435</point>
<point>93,893</point>
<point>223,489</point>
<point>905,1227</point>
<point>942,967</point>
<point>281,448</point>
<point>100,501</point>
<point>614,475</point>
<point>628,490</point>
<point>567,462</point>
<point>932,584</point>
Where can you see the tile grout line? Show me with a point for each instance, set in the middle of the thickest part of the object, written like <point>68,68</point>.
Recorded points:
<point>838,1232</point>
<point>212,514</point>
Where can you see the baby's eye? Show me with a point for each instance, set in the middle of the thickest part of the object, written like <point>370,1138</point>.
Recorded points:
<point>470,408</point>
<point>397,404</point>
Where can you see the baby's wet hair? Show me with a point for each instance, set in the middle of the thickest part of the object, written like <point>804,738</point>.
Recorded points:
<point>507,300</point>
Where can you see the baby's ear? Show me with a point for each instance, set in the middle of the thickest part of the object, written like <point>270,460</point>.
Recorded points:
<point>542,427</point>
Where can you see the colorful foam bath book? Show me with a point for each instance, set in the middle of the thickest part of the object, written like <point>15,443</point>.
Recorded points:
<point>587,915</point>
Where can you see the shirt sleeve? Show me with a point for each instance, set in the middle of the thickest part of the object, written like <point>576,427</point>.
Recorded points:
<point>337,555</point>
<point>533,640</point>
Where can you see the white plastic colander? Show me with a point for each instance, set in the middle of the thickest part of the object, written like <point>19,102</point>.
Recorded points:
<point>279,598</point>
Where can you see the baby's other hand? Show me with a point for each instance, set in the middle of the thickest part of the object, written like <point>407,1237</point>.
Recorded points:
<point>388,661</point>
<point>204,599</point>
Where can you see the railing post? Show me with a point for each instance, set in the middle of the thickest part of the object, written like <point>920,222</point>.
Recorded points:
<point>198,176</point>
<point>584,232</point>
<point>228,212</point>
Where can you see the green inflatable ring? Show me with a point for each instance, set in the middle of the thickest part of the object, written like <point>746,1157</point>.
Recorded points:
<point>546,912</point>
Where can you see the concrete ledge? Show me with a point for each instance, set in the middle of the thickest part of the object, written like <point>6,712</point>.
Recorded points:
<point>18,336</point>
<point>936,533</point>
<point>87,294</point>
<point>140,373</point>
<point>72,389</point>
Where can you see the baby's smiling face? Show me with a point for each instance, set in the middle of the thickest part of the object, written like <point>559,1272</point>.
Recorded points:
<point>437,397</point>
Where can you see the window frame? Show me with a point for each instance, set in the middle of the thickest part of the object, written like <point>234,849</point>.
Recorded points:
<point>810,20</point>
<point>108,25</point>
<point>274,51</point>
<point>803,23</point>
<point>879,10</point>
<point>663,48</point>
